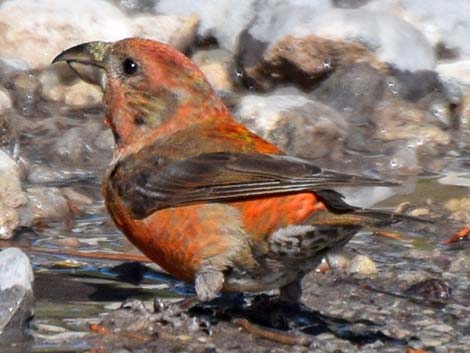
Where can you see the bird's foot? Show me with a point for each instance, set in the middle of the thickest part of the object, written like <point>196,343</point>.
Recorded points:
<point>174,309</point>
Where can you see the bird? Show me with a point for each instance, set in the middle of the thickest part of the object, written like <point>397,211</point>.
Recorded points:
<point>201,195</point>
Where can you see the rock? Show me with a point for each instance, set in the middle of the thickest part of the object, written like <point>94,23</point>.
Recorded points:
<point>12,197</point>
<point>16,295</point>
<point>398,119</point>
<point>136,6</point>
<point>298,42</point>
<point>105,140</point>
<point>24,86</point>
<point>463,114</point>
<point>77,143</point>
<point>179,31</point>
<point>5,101</point>
<point>431,289</point>
<point>413,86</point>
<point>353,90</point>
<point>442,24</point>
<point>459,208</point>
<point>37,30</point>
<point>83,94</point>
<point>456,78</point>
<point>57,85</point>
<point>338,259</point>
<point>47,203</point>
<point>419,212</point>
<point>349,4</point>
<point>218,66</point>
<point>362,265</point>
<point>296,124</point>
<point>10,66</point>
<point>461,264</point>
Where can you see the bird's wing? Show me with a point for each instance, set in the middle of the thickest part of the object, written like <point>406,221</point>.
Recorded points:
<point>152,183</point>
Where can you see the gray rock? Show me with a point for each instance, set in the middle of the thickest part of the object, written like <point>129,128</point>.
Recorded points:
<point>353,90</point>
<point>16,294</point>
<point>296,124</point>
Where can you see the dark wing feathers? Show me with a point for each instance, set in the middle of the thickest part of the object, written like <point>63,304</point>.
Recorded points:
<point>150,184</point>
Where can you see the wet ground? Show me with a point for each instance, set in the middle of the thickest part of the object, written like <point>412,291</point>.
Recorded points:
<point>419,297</point>
<point>96,293</point>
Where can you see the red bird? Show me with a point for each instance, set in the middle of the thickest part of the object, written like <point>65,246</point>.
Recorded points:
<point>197,192</point>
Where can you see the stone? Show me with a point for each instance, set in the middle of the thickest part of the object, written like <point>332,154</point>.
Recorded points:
<point>5,101</point>
<point>83,94</point>
<point>16,295</point>
<point>399,119</point>
<point>448,26</point>
<point>362,265</point>
<point>12,197</point>
<point>463,114</point>
<point>179,31</point>
<point>413,86</point>
<point>459,208</point>
<point>37,30</point>
<point>460,264</point>
<point>296,124</point>
<point>456,78</point>
<point>430,289</point>
<point>294,40</point>
<point>218,67</point>
<point>354,90</point>
<point>47,203</point>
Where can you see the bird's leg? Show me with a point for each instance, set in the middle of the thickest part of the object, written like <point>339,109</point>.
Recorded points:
<point>291,292</point>
<point>209,282</point>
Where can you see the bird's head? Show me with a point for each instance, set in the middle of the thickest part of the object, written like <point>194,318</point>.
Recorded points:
<point>149,87</point>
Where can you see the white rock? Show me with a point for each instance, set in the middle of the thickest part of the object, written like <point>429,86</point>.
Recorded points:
<point>5,100</point>
<point>37,30</point>
<point>263,112</point>
<point>15,269</point>
<point>225,19</point>
<point>441,22</point>
<point>456,76</point>
<point>16,295</point>
<point>179,31</point>
<point>12,196</point>
<point>393,40</point>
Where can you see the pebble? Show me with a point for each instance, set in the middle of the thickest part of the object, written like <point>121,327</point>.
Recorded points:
<point>218,66</point>
<point>362,265</point>
<point>5,101</point>
<point>459,208</point>
<point>16,295</point>
<point>12,197</point>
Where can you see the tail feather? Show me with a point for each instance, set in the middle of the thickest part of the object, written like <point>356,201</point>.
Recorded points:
<point>335,203</point>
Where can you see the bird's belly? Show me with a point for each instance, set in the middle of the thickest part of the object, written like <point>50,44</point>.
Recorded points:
<point>293,252</point>
<point>181,239</point>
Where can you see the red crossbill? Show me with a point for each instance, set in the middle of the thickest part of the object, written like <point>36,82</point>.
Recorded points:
<point>205,198</point>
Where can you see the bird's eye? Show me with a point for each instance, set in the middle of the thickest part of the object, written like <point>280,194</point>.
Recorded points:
<point>129,66</point>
